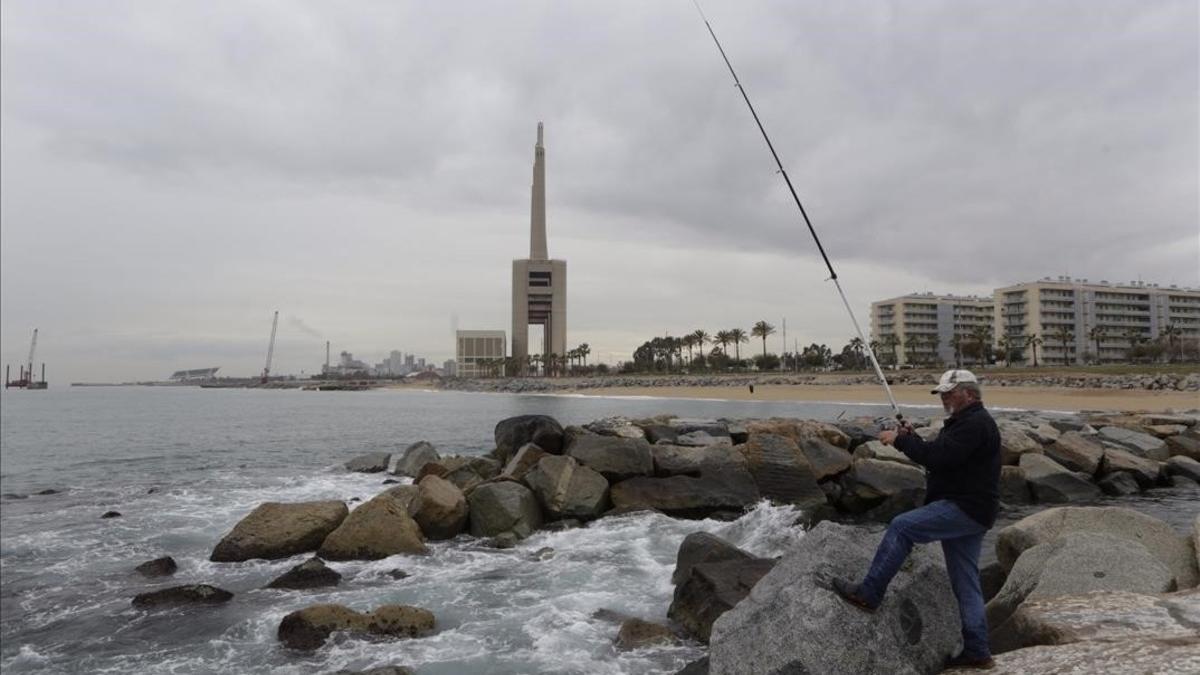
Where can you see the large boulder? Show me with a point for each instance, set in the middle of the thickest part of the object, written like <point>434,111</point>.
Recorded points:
<point>877,450</point>
<point>687,497</point>
<point>567,489</point>
<point>781,470</point>
<point>637,633</point>
<point>504,507</point>
<point>873,482</point>
<point>1184,466</point>
<point>614,457</point>
<point>1076,452</point>
<point>1187,445</point>
<point>1119,484</point>
<point>525,459</point>
<point>159,567</point>
<point>1141,655</point>
<point>792,622</point>
<point>1078,562</point>
<point>703,547</point>
<point>1014,489</point>
<point>312,573</point>
<point>441,508</point>
<point>1016,441</point>
<point>620,427</point>
<point>414,457</point>
<point>1052,482</point>
<point>700,439</point>
<point>1144,471</point>
<point>1140,444</point>
<point>514,432</point>
<point>472,472</point>
<point>798,430</point>
<point>1172,549</point>
<point>275,530</point>
<point>308,628</point>
<point>192,594</point>
<point>826,459</point>
<point>376,529</point>
<point>713,588</point>
<point>677,460</point>
<point>372,462</point>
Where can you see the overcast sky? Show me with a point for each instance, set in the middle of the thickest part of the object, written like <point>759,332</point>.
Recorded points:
<point>173,172</point>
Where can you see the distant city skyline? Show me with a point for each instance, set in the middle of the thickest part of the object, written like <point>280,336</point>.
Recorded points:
<point>172,174</point>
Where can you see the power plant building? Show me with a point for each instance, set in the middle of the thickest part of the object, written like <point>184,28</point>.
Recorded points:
<point>477,351</point>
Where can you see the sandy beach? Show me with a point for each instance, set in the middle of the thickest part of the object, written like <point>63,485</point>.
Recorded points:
<point>1034,398</point>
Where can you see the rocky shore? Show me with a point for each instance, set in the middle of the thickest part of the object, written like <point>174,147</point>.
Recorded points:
<point>1146,382</point>
<point>1062,574</point>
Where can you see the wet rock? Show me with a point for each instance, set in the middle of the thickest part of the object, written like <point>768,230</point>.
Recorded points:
<point>391,481</point>
<point>675,460</point>
<point>991,579</point>
<point>525,459</point>
<point>1144,471</point>
<point>697,667</point>
<point>871,483</point>
<point>373,462</point>
<point>414,457</point>
<point>192,594</point>
<point>636,633</point>
<point>913,631</point>
<point>1052,482</point>
<point>712,589</point>
<point>312,573</point>
<point>1014,489</point>
<point>111,514</point>
<point>308,628</point>
<point>544,553</point>
<point>561,525</point>
<point>567,489</point>
<point>379,528</point>
<point>685,496</point>
<point>1076,452</point>
<point>398,574</point>
<point>497,508</point>
<point>1172,549</point>
<point>781,470</point>
<point>1142,445</point>
<point>381,670</point>
<point>1182,482</point>
<point>703,547</point>
<point>613,457</point>
<point>1078,562</point>
<point>514,432</point>
<point>1119,484</point>
<point>619,427</point>
<point>159,567</point>
<point>502,541</point>
<point>14,495</point>
<point>441,508</point>
<point>276,530</point>
<point>47,491</point>
<point>1184,466</point>
<point>826,459</point>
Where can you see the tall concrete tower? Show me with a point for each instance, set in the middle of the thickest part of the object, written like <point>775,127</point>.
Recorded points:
<point>539,287</point>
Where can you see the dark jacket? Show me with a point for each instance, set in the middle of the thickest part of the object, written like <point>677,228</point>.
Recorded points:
<point>963,462</point>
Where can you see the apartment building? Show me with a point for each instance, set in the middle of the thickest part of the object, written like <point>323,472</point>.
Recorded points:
<point>474,349</point>
<point>920,328</point>
<point>1080,321</point>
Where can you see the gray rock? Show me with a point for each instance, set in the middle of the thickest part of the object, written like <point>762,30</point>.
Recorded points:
<point>713,588</point>
<point>780,470</point>
<point>567,489</point>
<point>1052,482</point>
<point>1014,489</point>
<point>1045,434</point>
<point>440,509</point>
<point>1184,466</point>
<point>1078,562</point>
<point>1165,430</point>
<point>377,529</point>
<point>886,453</point>
<point>659,433</point>
<point>274,530</point>
<point>1172,549</point>
<point>373,462</point>
<point>1016,441</point>
<point>525,459</point>
<point>504,507</point>
<point>687,425</point>
<point>1144,471</point>
<point>514,432</point>
<point>1119,484</point>
<point>1182,483</point>
<point>698,438</point>
<point>619,427</point>
<point>1076,452</point>
<point>702,547</point>
<point>1068,424</point>
<point>675,460</point>
<point>913,631</point>
<point>159,567</point>
<point>826,459</point>
<point>697,667</point>
<point>192,594</point>
<point>414,457</point>
<point>687,497</point>
<point>636,634</point>
<point>1143,655</point>
<point>307,629</point>
<point>381,670</point>
<point>1142,445</point>
<point>1184,444</point>
<point>871,482</point>
<point>613,457</point>
<point>312,573</point>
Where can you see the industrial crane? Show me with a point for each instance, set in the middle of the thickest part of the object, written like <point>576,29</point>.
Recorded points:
<point>26,380</point>
<point>270,347</point>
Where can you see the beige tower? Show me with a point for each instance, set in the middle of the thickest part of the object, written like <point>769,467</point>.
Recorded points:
<point>539,286</point>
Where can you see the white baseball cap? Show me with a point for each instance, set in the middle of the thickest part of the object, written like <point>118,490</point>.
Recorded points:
<point>953,378</point>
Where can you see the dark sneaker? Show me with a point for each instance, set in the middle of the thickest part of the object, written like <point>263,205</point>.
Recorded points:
<point>967,661</point>
<point>850,594</point>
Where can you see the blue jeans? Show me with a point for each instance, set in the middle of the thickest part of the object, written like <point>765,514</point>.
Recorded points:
<point>961,538</point>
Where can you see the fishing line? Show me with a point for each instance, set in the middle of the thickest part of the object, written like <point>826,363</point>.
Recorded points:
<point>832,274</point>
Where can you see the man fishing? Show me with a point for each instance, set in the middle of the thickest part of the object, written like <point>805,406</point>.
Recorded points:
<point>962,498</point>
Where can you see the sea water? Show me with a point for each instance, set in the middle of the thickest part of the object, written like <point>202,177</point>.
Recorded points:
<point>183,465</point>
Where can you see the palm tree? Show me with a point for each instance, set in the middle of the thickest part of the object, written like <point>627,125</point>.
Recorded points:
<point>737,336</point>
<point>689,341</point>
<point>762,329</point>
<point>933,342</point>
<point>1064,336</point>
<point>1096,334</point>
<point>1135,338</point>
<point>958,341</point>
<point>723,338</point>
<point>983,338</point>
<point>584,350</point>
<point>890,342</point>
<point>701,338</point>
<point>1172,333</point>
<point>1005,343</point>
<point>1033,341</point>
<point>856,346</point>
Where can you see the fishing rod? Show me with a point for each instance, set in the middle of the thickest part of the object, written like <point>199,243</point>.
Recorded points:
<point>832,274</point>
